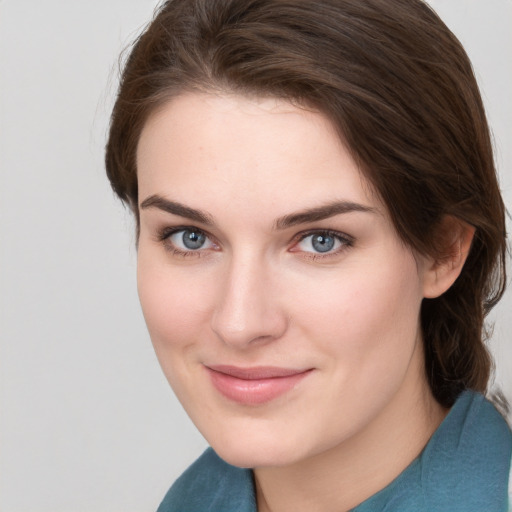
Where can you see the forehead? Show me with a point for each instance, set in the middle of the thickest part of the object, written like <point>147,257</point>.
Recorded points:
<point>264,151</point>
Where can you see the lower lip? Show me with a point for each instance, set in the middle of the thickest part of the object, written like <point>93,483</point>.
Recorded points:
<point>254,392</point>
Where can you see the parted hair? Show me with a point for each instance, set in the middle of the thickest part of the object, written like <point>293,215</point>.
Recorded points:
<point>400,90</point>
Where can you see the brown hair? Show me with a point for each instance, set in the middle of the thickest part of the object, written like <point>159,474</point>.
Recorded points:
<point>400,89</point>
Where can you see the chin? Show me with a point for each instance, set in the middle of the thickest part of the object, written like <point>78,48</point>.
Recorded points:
<point>251,458</point>
<point>253,451</point>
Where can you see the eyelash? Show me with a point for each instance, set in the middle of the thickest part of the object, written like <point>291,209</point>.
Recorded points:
<point>346,241</point>
<point>165,234</point>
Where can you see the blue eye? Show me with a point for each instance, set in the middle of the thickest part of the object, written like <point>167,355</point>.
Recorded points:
<point>189,239</point>
<point>192,239</point>
<point>322,242</point>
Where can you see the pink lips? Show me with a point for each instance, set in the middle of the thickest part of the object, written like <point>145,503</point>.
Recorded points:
<point>252,386</point>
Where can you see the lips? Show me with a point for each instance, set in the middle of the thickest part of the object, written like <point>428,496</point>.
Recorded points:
<point>257,385</point>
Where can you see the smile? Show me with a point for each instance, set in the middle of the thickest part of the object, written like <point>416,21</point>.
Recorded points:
<point>254,386</point>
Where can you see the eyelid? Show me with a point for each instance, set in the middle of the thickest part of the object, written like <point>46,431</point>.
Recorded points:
<point>164,234</point>
<point>345,240</point>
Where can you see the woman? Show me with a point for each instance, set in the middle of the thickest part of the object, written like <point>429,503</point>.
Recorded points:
<point>320,236</point>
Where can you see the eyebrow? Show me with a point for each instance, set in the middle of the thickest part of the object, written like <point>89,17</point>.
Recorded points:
<point>321,213</point>
<point>293,219</point>
<point>156,201</point>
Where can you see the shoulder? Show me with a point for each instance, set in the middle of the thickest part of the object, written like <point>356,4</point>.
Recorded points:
<point>467,461</point>
<point>464,467</point>
<point>510,488</point>
<point>210,484</point>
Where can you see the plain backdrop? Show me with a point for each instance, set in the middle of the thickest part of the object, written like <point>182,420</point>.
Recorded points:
<point>87,421</point>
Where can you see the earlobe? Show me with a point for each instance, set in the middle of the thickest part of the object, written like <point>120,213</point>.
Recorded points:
<point>442,271</point>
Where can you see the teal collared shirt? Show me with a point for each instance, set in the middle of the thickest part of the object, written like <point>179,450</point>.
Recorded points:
<point>464,468</point>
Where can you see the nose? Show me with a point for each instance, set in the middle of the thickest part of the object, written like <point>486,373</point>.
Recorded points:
<point>247,311</point>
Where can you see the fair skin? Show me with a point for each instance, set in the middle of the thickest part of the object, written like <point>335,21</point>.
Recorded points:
<point>230,274</point>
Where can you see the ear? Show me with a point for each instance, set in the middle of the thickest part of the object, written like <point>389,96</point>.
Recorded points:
<point>455,237</point>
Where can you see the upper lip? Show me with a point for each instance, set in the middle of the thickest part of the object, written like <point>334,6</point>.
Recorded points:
<point>256,372</point>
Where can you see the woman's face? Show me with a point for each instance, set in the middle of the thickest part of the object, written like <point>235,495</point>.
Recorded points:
<point>283,307</point>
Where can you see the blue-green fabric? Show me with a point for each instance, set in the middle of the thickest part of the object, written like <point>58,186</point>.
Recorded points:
<point>464,468</point>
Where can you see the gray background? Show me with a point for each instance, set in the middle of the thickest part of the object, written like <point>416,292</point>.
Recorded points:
<point>87,422</point>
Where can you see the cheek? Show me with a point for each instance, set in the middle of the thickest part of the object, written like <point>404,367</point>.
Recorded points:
<point>175,309</point>
<point>365,329</point>
<point>365,315</point>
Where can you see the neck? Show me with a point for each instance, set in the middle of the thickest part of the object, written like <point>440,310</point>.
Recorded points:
<point>341,478</point>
